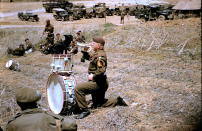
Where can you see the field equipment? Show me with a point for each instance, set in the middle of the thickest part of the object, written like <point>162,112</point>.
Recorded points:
<point>13,65</point>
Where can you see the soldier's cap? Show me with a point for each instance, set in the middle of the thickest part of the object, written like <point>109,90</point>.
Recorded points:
<point>27,95</point>
<point>78,32</point>
<point>99,40</point>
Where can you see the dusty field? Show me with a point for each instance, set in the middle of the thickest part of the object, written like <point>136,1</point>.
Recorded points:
<point>162,85</point>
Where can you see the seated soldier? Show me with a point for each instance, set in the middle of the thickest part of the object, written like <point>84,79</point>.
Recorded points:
<point>58,38</point>
<point>29,47</point>
<point>33,118</point>
<point>80,37</point>
<point>73,47</point>
<point>18,51</point>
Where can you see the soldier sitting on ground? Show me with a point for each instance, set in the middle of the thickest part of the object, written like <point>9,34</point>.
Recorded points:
<point>20,51</point>
<point>73,47</point>
<point>33,118</point>
<point>29,46</point>
<point>80,37</point>
<point>58,38</point>
<point>64,46</point>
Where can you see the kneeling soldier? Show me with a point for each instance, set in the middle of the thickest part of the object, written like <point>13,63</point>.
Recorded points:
<point>97,83</point>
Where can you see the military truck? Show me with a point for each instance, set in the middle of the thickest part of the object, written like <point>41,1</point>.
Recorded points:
<point>61,14</point>
<point>89,13</point>
<point>140,12</point>
<point>109,11</point>
<point>159,11</point>
<point>79,10</point>
<point>99,10</point>
<point>117,11</point>
<point>28,16</point>
<point>49,5</point>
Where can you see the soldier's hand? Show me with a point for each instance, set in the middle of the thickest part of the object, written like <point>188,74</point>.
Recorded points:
<point>90,77</point>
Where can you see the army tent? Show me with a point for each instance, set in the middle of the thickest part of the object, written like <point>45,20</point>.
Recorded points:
<point>188,5</point>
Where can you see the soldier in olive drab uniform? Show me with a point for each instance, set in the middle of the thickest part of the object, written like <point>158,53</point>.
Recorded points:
<point>97,83</point>
<point>49,29</point>
<point>73,47</point>
<point>58,38</point>
<point>18,51</point>
<point>80,37</point>
<point>29,46</point>
<point>35,119</point>
<point>122,17</point>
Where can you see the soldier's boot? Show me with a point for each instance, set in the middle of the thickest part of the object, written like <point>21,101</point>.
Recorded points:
<point>121,102</point>
<point>84,113</point>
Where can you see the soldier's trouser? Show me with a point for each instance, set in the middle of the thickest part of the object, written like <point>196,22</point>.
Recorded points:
<point>97,92</point>
<point>50,40</point>
<point>122,20</point>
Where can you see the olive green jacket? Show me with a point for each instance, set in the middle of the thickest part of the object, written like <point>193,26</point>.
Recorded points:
<point>98,65</point>
<point>39,120</point>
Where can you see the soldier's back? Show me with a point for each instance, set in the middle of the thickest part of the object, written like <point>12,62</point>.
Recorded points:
<point>32,120</point>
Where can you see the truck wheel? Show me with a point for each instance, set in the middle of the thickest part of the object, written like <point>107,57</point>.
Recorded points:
<point>31,19</point>
<point>37,19</point>
<point>71,18</point>
<point>47,10</point>
<point>161,17</point>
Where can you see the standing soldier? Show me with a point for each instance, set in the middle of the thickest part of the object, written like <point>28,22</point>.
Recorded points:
<point>33,118</point>
<point>122,14</point>
<point>97,83</point>
<point>122,17</point>
<point>49,29</point>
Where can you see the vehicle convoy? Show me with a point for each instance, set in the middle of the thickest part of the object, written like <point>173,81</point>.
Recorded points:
<point>28,16</point>
<point>155,11</point>
<point>49,5</point>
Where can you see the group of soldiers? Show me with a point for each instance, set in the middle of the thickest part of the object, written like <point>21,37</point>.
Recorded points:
<point>51,45</point>
<point>33,118</point>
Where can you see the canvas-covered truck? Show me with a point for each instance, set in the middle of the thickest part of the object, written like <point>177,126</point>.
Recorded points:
<point>158,12</point>
<point>100,10</point>
<point>49,5</point>
<point>89,13</point>
<point>60,14</point>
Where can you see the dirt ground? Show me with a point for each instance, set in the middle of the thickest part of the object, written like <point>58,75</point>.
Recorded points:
<point>147,66</point>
